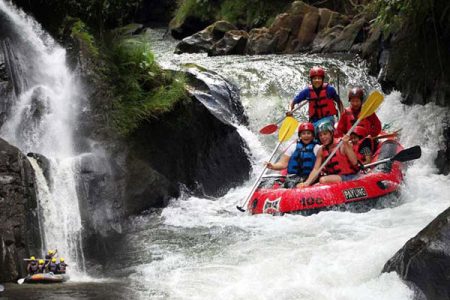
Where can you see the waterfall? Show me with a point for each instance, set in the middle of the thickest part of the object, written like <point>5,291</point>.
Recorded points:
<point>41,120</point>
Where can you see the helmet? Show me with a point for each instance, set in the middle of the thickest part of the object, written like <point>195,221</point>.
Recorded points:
<point>325,126</point>
<point>306,126</point>
<point>61,259</point>
<point>53,260</point>
<point>32,258</point>
<point>356,92</point>
<point>316,71</point>
<point>41,261</point>
<point>50,252</point>
<point>360,131</point>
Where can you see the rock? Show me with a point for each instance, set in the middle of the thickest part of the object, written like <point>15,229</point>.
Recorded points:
<point>207,40</point>
<point>219,28</point>
<point>260,41</point>
<point>19,228</point>
<point>233,42</point>
<point>308,29</point>
<point>325,38</point>
<point>187,27</point>
<point>300,8</point>
<point>346,38</point>
<point>424,261</point>
<point>199,42</point>
<point>44,163</point>
<point>217,94</point>
<point>371,45</point>
<point>190,146</point>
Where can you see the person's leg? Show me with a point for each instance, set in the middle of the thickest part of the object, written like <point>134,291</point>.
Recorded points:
<point>330,179</point>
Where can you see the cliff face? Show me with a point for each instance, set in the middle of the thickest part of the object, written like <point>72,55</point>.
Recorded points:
<point>19,228</point>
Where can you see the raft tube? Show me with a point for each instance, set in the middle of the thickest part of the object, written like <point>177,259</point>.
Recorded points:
<point>47,278</point>
<point>362,193</point>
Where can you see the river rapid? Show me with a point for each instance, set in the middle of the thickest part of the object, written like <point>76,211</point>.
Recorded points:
<point>206,249</point>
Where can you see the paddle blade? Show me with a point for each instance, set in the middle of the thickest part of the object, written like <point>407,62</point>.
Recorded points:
<point>408,154</point>
<point>269,129</point>
<point>21,280</point>
<point>287,129</point>
<point>371,105</point>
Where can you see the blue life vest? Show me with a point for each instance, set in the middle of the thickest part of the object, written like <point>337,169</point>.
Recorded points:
<point>303,159</point>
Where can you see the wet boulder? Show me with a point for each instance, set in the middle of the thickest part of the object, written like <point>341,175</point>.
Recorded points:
<point>261,41</point>
<point>233,42</point>
<point>19,229</point>
<point>204,41</point>
<point>424,261</point>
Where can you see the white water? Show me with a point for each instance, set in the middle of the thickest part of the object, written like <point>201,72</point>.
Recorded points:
<point>42,121</point>
<point>203,249</point>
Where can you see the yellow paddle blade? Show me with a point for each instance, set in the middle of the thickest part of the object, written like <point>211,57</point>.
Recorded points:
<point>371,105</point>
<point>287,129</point>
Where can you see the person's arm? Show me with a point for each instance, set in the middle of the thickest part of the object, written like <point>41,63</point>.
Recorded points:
<point>348,150</point>
<point>279,165</point>
<point>312,176</point>
<point>303,95</point>
<point>341,126</point>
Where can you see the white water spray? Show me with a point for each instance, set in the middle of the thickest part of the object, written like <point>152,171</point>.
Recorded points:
<point>42,121</point>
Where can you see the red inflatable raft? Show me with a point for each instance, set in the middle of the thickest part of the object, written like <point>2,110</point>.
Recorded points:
<point>383,180</point>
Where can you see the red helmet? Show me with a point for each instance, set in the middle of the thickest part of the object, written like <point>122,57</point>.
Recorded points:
<point>356,92</point>
<point>306,126</point>
<point>316,71</point>
<point>360,131</point>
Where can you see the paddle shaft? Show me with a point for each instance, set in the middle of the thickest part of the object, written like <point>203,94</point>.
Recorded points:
<point>295,109</point>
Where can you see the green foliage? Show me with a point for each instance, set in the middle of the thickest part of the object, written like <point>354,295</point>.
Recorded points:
<point>201,9</point>
<point>80,32</point>
<point>142,90</point>
<point>393,14</point>
<point>251,13</point>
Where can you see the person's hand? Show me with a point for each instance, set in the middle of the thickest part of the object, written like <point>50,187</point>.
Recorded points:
<point>300,185</point>
<point>289,113</point>
<point>269,165</point>
<point>346,138</point>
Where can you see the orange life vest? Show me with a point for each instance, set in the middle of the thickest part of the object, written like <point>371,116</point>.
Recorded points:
<point>338,164</point>
<point>351,119</point>
<point>320,106</point>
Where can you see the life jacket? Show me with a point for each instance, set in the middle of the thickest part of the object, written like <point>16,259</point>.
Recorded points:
<point>33,267</point>
<point>365,142</point>
<point>41,268</point>
<point>52,267</point>
<point>303,159</point>
<point>62,268</point>
<point>338,164</point>
<point>320,105</point>
<point>352,118</point>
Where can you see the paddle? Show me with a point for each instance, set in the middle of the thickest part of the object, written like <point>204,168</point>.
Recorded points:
<point>404,155</point>
<point>21,280</point>
<point>369,107</point>
<point>287,129</point>
<point>2,288</point>
<point>271,128</point>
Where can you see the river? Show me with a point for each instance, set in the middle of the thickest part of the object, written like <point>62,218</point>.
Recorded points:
<point>203,248</point>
